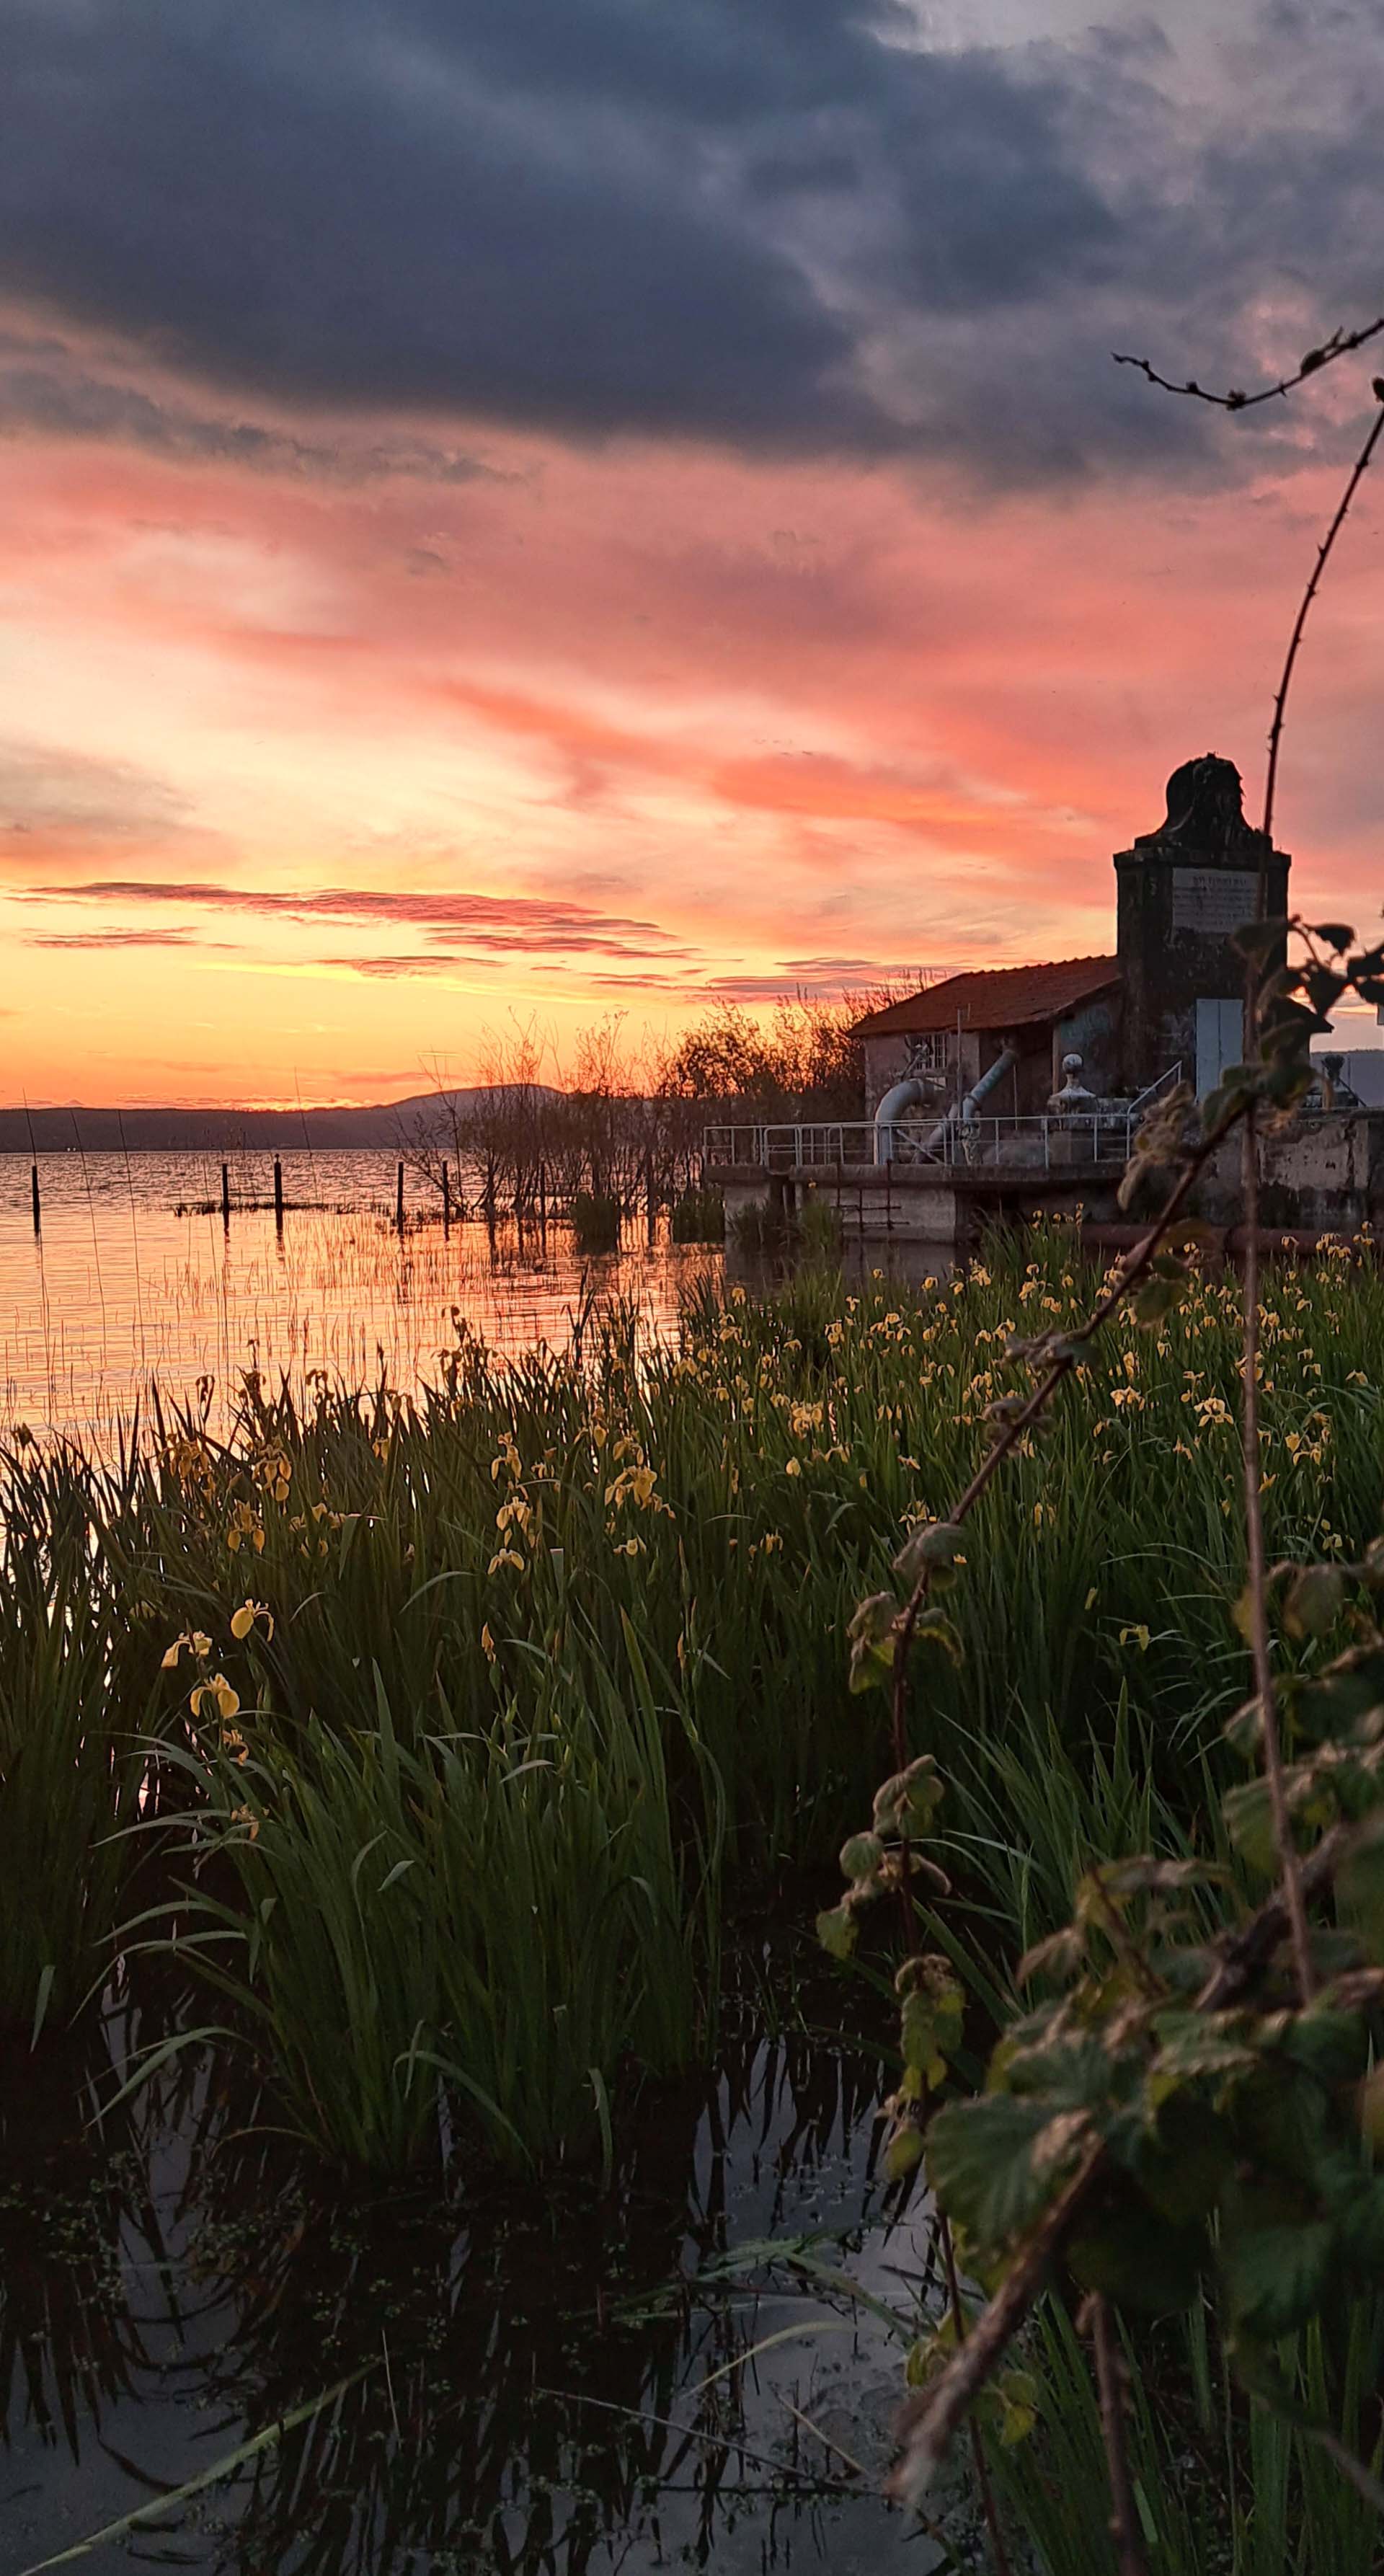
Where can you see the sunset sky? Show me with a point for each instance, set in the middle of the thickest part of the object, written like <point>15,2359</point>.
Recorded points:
<point>522,509</point>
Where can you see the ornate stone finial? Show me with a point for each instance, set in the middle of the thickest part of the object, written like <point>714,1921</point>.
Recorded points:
<point>1206,812</point>
<point>1073,1100</point>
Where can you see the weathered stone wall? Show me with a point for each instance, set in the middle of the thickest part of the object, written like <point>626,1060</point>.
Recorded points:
<point>1183,891</point>
<point>1322,1175</point>
<point>1091,1031</point>
<point>886,1062</point>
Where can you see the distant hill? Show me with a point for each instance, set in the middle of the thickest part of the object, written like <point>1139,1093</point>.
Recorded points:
<point>192,1131</point>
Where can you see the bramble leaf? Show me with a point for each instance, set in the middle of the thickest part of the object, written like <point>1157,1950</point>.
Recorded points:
<point>931,2018</point>
<point>873,1641</point>
<point>907,1803</point>
<point>1360,1891</point>
<point>1139,2259</point>
<point>1276,2277</point>
<point>838,1930</point>
<point>1313,1600</point>
<point>996,2162</point>
<point>933,1547</point>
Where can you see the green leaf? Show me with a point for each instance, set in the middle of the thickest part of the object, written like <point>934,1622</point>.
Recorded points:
<point>1157,1299</point>
<point>1015,2393</point>
<point>838,1930</point>
<point>1346,1695</point>
<point>1183,2160</point>
<point>1360,1891</point>
<point>995,2163</point>
<point>1323,987</point>
<point>907,1803</point>
<point>1359,2225</point>
<point>1248,1814</point>
<point>933,1546</point>
<point>935,1628</point>
<point>1332,2044</point>
<point>931,2017</point>
<point>904,2152</point>
<point>861,1856</point>
<point>873,1641</point>
<point>1313,1601</point>
<point>1276,2277</point>
<point>1136,2257</point>
<point>1199,2048</point>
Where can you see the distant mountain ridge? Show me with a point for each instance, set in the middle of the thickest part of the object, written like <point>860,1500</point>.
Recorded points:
<point>222,1131</point>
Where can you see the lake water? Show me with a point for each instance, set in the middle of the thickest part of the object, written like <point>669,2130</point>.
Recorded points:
<point>134,1278</point>
<point>550,2382</point>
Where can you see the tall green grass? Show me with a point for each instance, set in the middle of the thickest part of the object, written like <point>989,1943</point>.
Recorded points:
<point>489,1926</point>
<point>623,1578</point>
<point>1220,2484</point>
<point>78,1677</point>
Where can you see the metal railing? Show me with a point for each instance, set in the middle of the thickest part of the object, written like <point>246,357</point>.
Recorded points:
<point>1040,1144</point>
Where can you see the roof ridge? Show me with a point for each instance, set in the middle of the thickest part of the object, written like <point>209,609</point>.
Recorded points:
<point>1043,998</point>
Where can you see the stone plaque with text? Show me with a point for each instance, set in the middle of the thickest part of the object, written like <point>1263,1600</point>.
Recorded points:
<point>1217,900</point>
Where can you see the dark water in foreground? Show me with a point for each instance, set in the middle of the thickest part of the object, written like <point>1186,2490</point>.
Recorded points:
<point>547,2380</point>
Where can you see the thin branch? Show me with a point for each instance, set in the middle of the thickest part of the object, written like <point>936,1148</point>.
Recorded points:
<point>1243,1955</point>
<point>1110,2386</point>
<point>929,2420</point>
<point>1256,1572</point>
<point>979,2463</point>
<point>1358,471</point>
<point>1338,346</point>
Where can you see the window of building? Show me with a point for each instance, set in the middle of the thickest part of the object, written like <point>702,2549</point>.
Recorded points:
<point>928,1054</point>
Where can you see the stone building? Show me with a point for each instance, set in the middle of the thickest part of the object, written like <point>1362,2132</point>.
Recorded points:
<point>1170,998</point>
<point>999,1094</point>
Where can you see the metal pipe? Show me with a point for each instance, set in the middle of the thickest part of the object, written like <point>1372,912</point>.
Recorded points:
<point>963,1116</point>
<point>908,1094</point>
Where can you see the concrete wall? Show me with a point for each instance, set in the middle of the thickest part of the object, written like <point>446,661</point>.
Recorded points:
<point>1323,1175</point>
<point>1362,1067</point>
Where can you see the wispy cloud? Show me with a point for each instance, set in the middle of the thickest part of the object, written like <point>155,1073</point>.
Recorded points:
<point>504,924</point>
<point>102,939</point>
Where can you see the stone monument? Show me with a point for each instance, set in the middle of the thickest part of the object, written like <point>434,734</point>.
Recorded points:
<point>1183,891</point>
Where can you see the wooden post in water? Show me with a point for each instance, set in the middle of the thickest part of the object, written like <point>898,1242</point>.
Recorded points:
<point>446,1200</point>
<point>278,1194</point>
<point>399,1201</point>
<point>542,1197</point>
<point>225,1193</point>
<point>33,1186</point>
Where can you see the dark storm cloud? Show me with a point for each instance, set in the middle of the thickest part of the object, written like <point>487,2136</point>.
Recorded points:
<point>543,211</point>
<point>44,388</point>
<point>780,223</point>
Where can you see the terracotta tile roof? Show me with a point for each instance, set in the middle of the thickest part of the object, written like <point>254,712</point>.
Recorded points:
<point>1004,997</point>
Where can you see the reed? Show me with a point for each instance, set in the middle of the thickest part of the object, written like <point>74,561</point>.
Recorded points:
<point>78,1679</point>
<point>476,1933</point>
<point>603,1595</point>
<point>1219,2482</point>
